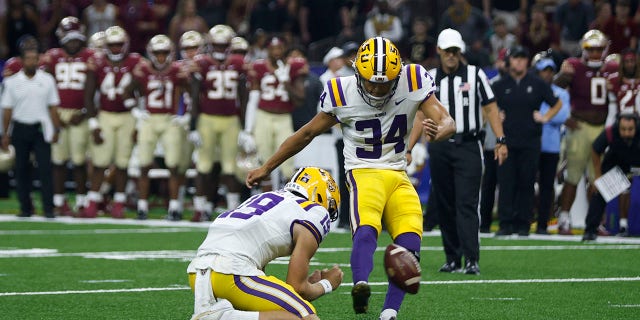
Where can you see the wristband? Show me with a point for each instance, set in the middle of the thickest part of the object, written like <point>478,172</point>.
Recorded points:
<point>93,124</point>
<point>409,151</point>
<point>326,285</point>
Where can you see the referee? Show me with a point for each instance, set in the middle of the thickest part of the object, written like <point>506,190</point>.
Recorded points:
<point>31,124</point>
<point>456,164</point>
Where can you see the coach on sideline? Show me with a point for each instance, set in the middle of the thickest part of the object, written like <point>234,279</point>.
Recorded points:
<point>456,164</point>
<point>31,124</point>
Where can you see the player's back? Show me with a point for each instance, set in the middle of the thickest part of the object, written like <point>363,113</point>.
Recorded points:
<point>244,240</point>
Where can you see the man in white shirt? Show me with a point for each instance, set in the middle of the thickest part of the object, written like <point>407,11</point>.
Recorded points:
<point>30,99</point>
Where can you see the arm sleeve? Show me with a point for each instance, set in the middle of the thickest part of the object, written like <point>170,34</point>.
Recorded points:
<point>547,94</point>
<point>53,99</point>
<point>7,100</point>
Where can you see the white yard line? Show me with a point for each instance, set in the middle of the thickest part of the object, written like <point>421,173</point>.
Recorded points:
<point>449,282</point>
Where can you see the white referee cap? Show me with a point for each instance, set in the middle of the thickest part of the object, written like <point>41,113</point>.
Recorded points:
<point>335,52</point>
<point>449,38</point>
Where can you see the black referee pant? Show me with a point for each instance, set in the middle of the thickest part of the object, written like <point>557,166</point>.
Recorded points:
<point>516,177</point>
<point>27,138</point>
<point>456,174</point>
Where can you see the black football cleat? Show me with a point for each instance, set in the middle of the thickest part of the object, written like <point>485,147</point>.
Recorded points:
<point>590,236</point>
<point>450,267</point>
<point>360,294</point>
<point>142,215</point>
<point>472,268</point>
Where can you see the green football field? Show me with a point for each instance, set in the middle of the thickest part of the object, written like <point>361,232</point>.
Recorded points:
<point>105,269</point>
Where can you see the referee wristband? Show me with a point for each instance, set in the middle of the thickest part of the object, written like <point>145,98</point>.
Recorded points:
<point>326,285</point>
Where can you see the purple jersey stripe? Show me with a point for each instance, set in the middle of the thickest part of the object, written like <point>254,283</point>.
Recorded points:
<point>316,233</point>
<point>418,77</point>
<point>331,94</point>
<point>341,92</point>
<point>354,187</point>
<point>409,78</point>
<point>266,296</point>
<point>309,205</point>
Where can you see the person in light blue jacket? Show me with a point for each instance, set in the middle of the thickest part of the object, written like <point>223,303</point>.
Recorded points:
<point>550,147</point>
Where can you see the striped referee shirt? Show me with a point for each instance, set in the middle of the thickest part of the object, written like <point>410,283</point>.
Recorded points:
<point>462,93</point>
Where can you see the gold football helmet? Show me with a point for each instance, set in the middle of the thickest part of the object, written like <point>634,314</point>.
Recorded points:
<point>594,47</point>
<point>115,36</point>
<point>378,66</point>
<point>316,185</point>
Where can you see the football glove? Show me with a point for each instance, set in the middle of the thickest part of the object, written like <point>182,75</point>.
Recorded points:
<point>282,73</point>
<point>246,142</point>
<point>194,137</point>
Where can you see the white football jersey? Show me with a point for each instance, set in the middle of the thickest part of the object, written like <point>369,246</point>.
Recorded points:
<point>244,240</point>
<point>377,138</point>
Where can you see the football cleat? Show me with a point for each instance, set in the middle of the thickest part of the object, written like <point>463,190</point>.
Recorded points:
<point>589,236</point>
<point>472,268</point>
<point>197,216</point>
<point>174,216</point>
<point>316,185</point>
<point>142,215</point>
<point>377,65</point>
<point>360,294</point>
<point>117,212</point>
<point>91,211</point>
<point>450,267</point>
<point>64,210</point>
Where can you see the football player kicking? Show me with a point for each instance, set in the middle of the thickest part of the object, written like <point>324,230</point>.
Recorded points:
<point>376,109</point>
<point>69,65</point>
<point>228,275</point>
<point>113,128</point>
<point>161,82</point>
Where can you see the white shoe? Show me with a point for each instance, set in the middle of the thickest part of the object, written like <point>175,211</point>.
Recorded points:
<point>389,314</point>
<point>216,311</point>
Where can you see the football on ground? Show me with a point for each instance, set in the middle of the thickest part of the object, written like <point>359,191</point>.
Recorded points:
<point>402,267</point>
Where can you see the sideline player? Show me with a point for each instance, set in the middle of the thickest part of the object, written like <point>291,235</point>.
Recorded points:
<point>230,263</point>
<point>376,109</point>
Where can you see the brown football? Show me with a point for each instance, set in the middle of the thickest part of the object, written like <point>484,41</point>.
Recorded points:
<point>402,267</point>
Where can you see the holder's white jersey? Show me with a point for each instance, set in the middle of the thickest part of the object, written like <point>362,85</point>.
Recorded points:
<point>376,138</point>
<point>244,240</point>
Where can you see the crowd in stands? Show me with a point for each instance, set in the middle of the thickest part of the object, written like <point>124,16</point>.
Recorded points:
<point>281,42</point>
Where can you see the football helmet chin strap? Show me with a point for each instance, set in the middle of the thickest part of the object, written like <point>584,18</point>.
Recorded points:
<point>250,113</point>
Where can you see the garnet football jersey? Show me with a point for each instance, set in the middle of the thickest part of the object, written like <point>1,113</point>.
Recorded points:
<point>588,89</point>
<point>625,91</point>
<point>160,88</point>
<point>70,73</point>
<point>12,66</point>
<point>112,79</point>
<point>219,86</point>
<point>273,94</point>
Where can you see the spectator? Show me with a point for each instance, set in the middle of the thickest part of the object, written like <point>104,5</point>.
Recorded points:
<point>380,188</point>
<point>456,164</point>
<point>539,34</point>
<point>138,17</point>
<point>467,20</point>
<point>383,23</point>
<point>186,19</point>
<point>621,30</point>
<point>603,15</point>
<point>585,79</point>
<point>550,145</point>
<point>619,146</point>
<point>501,38</point>
<point>573,18</point>
<point>512,12</point>
<point>304,94</point>
<point>30,101</point>
<point>213,11</point>
<point>519,95</point>
<point>334,62</point>
<point>21,19</point>
<point>321,19</point>
<point>420,47</point>
<point>99,16</point>
<point>269,15</point>
<point>292,221</point>
<point>50,17</point>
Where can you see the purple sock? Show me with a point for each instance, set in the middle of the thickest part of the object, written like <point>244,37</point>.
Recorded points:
<point>395,295</point>
<point>365,241</point>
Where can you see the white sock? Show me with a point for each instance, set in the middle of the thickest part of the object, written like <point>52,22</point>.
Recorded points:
<point>624,223</point>
<point>105,187</point>
<point>199,203</point>
<point>233,200</point>
<point>182,190</point>
<point>564,218</point>
<point>58,200</point>
<point>174,205</point>
<point>143,205</point>
<point>94,196</point>
<point>81,200</point>
<point>119,197</point>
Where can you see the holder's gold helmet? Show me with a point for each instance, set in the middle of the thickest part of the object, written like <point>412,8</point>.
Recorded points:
<point>316,185</point>
<point>378,65</point>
